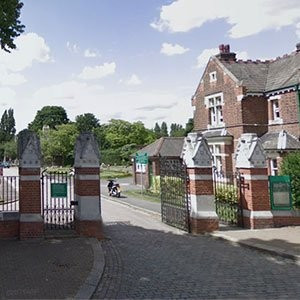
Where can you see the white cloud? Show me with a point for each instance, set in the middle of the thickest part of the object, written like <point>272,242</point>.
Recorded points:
<point>73,48</point>
<point>134,80</point>
<point>169,49</point>
<point>203,58</point>
<point>245,17</point>
<point>298,30</point>
<point>30,47</point>
<point>90,53</point>
<point>98,72</point>
<point>7,78</point>
<point>7,95</point>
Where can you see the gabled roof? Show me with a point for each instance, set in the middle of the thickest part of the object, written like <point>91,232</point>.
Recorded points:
<point>165,146</point>
<point>280,141</point>
<point>265,76</point>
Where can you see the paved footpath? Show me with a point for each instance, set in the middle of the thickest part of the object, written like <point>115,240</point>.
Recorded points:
<point>44,269</point>
<point>146,259</point>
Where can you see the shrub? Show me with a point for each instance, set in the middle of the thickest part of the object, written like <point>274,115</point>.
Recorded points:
<point>227,194</point>
<point>291,166</point>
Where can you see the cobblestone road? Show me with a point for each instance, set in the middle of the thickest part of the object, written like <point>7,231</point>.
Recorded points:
<point>146,263</point>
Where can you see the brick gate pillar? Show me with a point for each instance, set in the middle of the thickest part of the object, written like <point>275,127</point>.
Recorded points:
<point>29,154</point>
<point>198,159</point>
<point>251,162</point>
<point>88,220</point>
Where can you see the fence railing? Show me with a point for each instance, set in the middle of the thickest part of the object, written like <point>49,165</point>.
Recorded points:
<point>9,193</point>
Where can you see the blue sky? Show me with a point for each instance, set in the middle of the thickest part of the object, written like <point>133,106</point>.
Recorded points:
<point>133,59</point>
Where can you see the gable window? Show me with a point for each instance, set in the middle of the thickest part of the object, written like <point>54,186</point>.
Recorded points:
<point>213,76</point>
<point>215,107</point>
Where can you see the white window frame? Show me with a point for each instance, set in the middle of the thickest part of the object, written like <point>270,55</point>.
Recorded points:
<point>274,166</point>
<point>215,104</point>
<point>275,110</point>
<point>213,76</point>
<point>215,150</point>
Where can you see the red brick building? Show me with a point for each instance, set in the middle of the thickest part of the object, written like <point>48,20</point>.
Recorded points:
<point>235,97</point>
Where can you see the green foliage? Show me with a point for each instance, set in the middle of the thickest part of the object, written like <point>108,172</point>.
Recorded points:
<point>227,194</point>
<point>58,144</point>
<point>10,25</point>
<point>164,129</point>
<point>189,126</point>
<point>7,126</point>
<point>86,122</point>
<point>176,130</point>
<point>10,150</point>
<point>155,185</point>
<point>157,131</point>
<point>119,139</point>
<point>51,116</point>
<point>291,166</point>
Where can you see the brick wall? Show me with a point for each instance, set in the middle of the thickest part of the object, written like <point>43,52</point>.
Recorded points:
<point>288,107</point>
<point>9,229</point>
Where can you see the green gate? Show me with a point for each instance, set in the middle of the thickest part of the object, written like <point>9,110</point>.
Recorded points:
<point>280,192</point>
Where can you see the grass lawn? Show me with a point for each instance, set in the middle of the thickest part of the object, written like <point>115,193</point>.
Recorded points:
<point>114,172</point>
<point>142,196</point>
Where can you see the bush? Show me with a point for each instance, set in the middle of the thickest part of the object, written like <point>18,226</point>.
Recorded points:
<point>155,185</point>
<point>227,194</point>
<point>291,166</point>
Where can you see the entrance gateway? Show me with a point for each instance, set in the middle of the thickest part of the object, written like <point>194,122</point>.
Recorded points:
<point>58,199</point>
<point>175,204</point>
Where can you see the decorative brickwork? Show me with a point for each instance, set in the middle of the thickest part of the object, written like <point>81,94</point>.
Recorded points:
<point>88,221</point>
<point>31,222</point>
<point>196,154</point>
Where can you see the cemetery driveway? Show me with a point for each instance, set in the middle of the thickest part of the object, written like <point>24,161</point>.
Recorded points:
<point>146,259</point>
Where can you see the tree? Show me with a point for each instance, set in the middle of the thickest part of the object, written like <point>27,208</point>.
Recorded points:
<point>157,130</point>
<point>176,130</point>
<point>10,25</point>
<point>164,129</point>
<point>10,150</point>
<point>49,116</point>
<point>7,126</point>
<point>189,126</point>
<point>58,144</point>
<point>291,166</point>
<point>86,122</point>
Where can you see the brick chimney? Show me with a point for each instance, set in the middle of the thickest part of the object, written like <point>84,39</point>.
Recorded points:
<point>225,53</point>
<point>298,47</point>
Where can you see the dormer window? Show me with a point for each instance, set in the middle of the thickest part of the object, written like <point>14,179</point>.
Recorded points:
<point>213,76</point>
<point>275,108</point>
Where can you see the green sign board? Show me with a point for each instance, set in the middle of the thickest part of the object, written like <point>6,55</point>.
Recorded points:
<point>280,192</point>
<point>141,158</point>
<point>59,190</point>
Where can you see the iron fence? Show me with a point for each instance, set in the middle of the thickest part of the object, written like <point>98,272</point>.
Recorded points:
<point>58,199</point>
<point>9,193</point>
<point>227,190</point>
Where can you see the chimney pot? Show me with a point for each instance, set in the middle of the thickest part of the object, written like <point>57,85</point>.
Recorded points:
<point>227,48</point>
<point>221,48</point>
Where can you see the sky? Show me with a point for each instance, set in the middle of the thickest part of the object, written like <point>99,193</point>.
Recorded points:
<point>136,60</point>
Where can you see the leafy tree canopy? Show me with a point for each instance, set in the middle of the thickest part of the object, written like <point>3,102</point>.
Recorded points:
<point>86,122</point>
<point>7,126</point>
<point>49,116</point>
<point>176,130</point>
<point>58,145</point>
<point>10,25</point>
<point>164,129</point>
